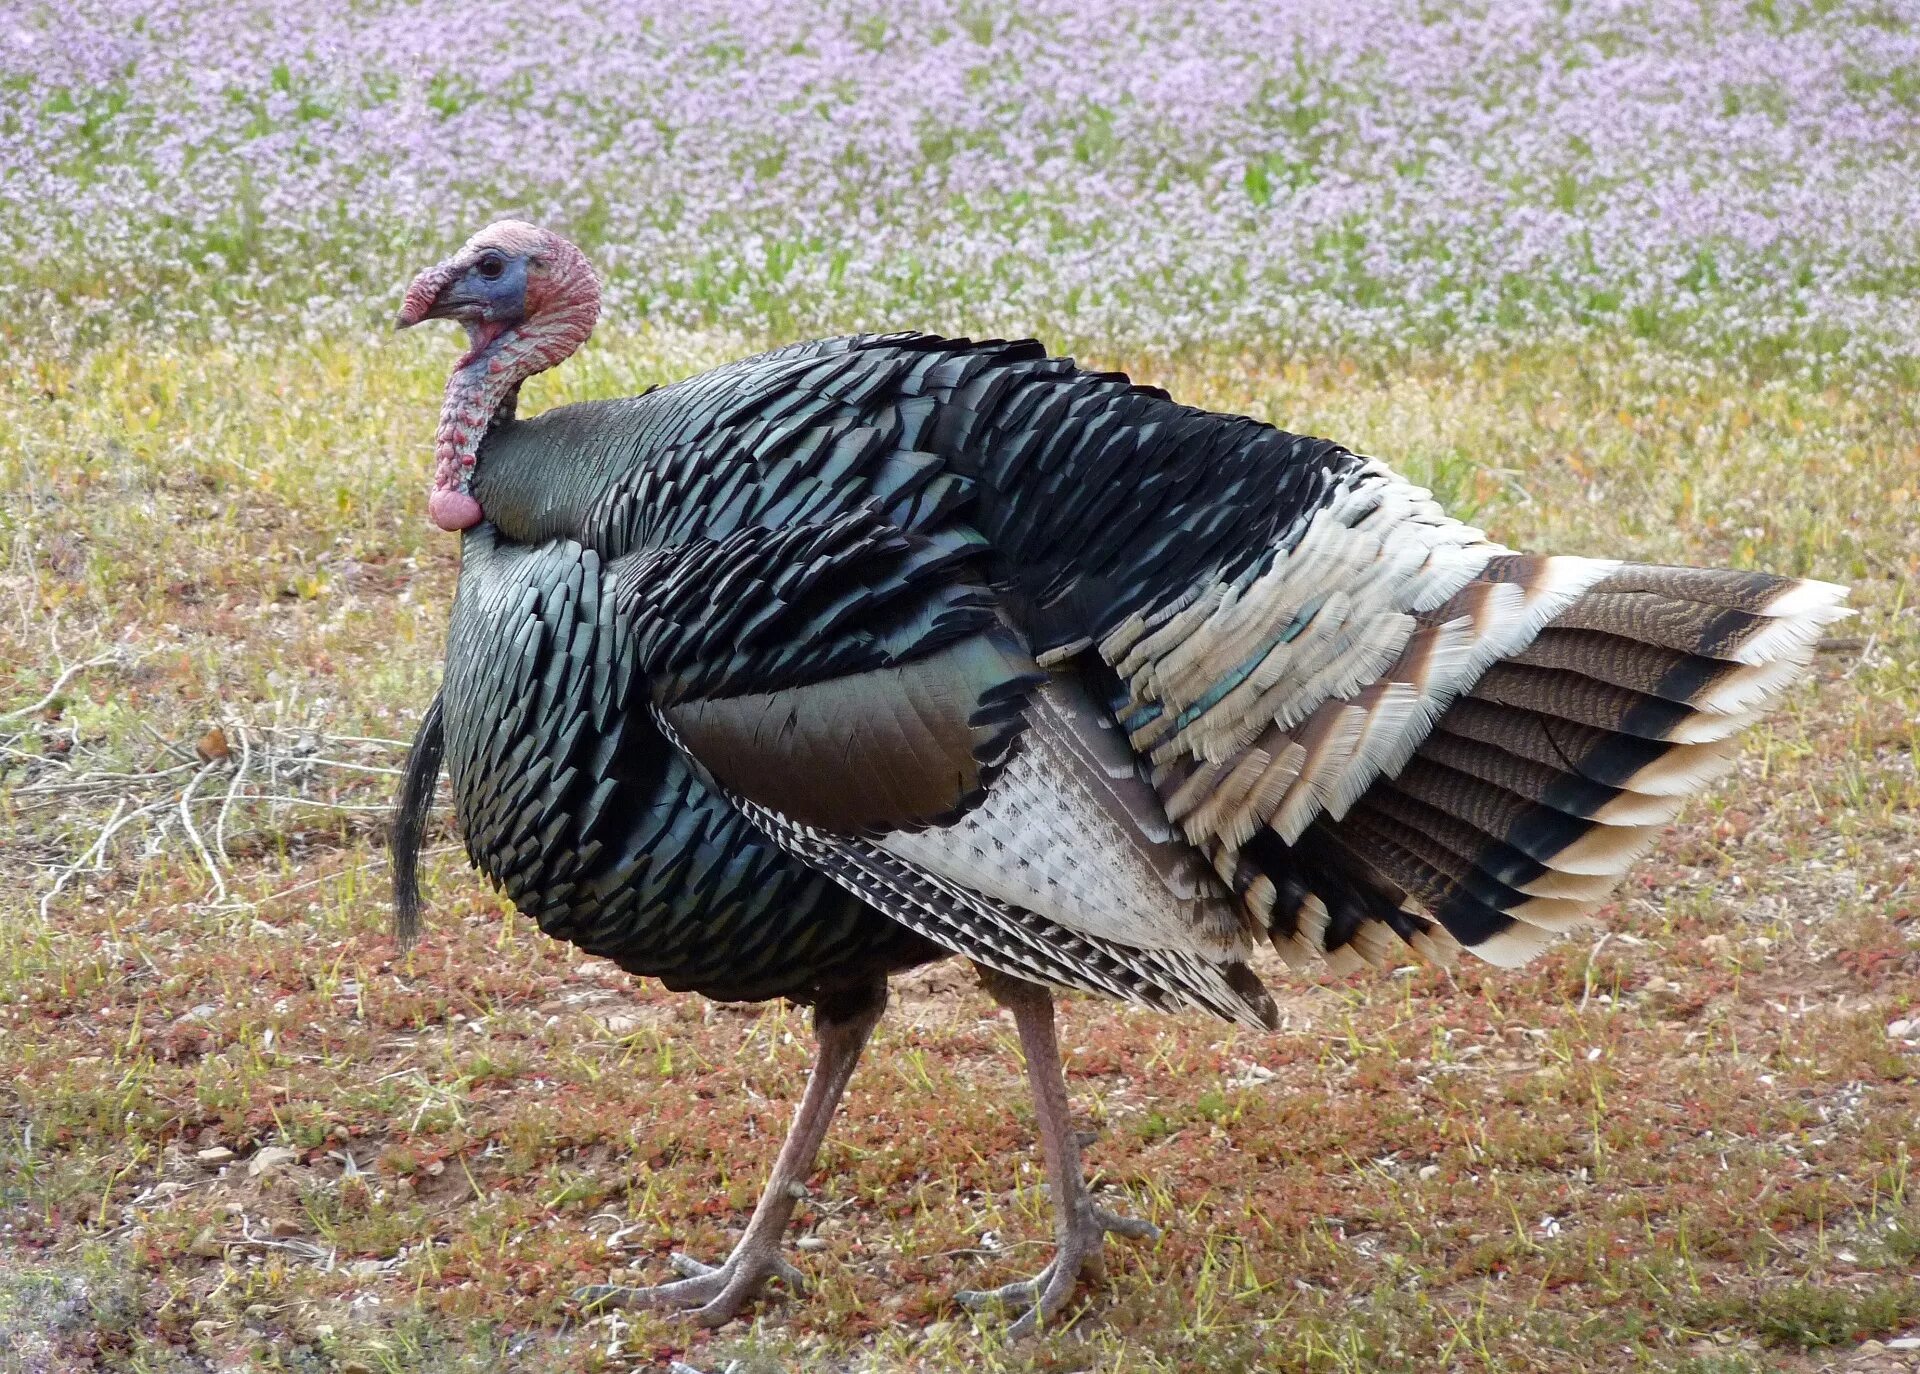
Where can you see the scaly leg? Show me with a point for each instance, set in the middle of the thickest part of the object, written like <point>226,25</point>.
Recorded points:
<point>716,1292</point>
<point>1081,1226</point>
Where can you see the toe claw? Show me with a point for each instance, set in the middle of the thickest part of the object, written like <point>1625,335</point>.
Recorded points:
<point>1133,1228</point>
<point>690,1268</point>
<point>1028,1324</point>
<point>1020,1294</point>
<point>719,1312</point>
<point>1044,1296</point>
<point>784,1271</point>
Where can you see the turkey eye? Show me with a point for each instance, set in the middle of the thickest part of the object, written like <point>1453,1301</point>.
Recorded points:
<point>491,266</point>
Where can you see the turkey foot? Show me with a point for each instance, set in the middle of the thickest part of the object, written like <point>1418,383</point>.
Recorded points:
<point>716,1292</point>
<point>1081,1227</point>
<point>1041,1297</point>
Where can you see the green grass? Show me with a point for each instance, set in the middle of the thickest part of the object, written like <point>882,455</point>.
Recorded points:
<point>1689,1147</point>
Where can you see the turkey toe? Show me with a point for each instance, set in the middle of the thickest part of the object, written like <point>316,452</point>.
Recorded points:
<point>715,1292</point>
<point>1041,1298</point>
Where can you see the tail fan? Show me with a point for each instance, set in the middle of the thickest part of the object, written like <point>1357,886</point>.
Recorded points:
<point>1516,815</point>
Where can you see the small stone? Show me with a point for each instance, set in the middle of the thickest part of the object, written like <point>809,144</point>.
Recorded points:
<point>435,1169</point>
<point>938,1331</point>
<point>214,1154</point>
<point>1664,996</point>
<point>341,1133</point>
<point>811,1244</point>
<point>354,1367</point>
<point>267,1160</point>
<point>284,1228</point>
<point>1904,1343</point>
<point>1903,1028</point>
<point>1428,1171</point>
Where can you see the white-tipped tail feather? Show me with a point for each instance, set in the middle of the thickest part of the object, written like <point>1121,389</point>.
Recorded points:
<point>1397,734</point>
<point>1514,816</point>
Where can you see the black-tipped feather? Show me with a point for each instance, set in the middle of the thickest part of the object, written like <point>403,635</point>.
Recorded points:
<point>1537,787</point>
<point>410,811</point>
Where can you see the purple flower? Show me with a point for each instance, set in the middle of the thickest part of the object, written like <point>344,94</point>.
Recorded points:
<point>1715,176</point>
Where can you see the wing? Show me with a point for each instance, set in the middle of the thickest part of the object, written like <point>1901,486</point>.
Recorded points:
<point>571,800</point>
<point>1378,726</point>
<point>851,686</point>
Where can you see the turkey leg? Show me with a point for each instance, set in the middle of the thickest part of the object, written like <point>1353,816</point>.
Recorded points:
<point>715,1292</point>
<point>1081,1227</point>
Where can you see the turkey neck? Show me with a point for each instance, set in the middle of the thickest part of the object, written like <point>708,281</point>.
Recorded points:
<point>484,389</point>
<point>476,399</point>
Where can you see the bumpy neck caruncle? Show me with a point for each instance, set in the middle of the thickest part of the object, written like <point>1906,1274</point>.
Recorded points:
<point>563,303</point>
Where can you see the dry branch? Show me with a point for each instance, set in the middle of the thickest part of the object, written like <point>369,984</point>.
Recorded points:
<point>99,803</point>
<point>67,674</point>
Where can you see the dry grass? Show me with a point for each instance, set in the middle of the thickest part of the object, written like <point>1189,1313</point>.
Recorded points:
<point>1687,1147</point>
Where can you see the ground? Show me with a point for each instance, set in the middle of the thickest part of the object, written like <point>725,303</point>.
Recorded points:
<point>239,1129</point>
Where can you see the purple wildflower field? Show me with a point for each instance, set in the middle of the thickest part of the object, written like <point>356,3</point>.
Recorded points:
<point>1709,177</point>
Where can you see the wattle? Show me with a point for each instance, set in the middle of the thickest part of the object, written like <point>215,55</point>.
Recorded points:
<point>453,510</point>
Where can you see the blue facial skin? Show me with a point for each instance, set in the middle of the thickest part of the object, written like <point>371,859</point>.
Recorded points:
<point>492,291</point>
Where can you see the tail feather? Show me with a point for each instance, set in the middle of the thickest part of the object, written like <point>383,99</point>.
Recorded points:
<point>1697,680</point>
<point>1444,869</point>
<point>1540,783</point>
<point>1691,627</point>
<point>1316,903</point>
<point>410,823</point>
<point>1567,791</point>
<point>1759,592</point>
<point>1582,700</point>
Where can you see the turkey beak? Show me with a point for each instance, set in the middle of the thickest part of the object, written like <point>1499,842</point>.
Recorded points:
<point>423,300</point>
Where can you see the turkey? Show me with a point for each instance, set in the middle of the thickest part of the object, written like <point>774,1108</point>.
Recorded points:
<point>866,652</point>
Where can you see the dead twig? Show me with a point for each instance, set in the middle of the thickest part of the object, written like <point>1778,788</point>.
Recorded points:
<point>233,790</point>
<point>193,833</point>
<point>353,767</point>
<point>67,674</point>
<point>344,872</point>
<point>272,767</point>
<point>1586,991</point>
<point>65,875</point>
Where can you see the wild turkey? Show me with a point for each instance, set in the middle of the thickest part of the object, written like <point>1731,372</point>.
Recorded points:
<point>864,652</point>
